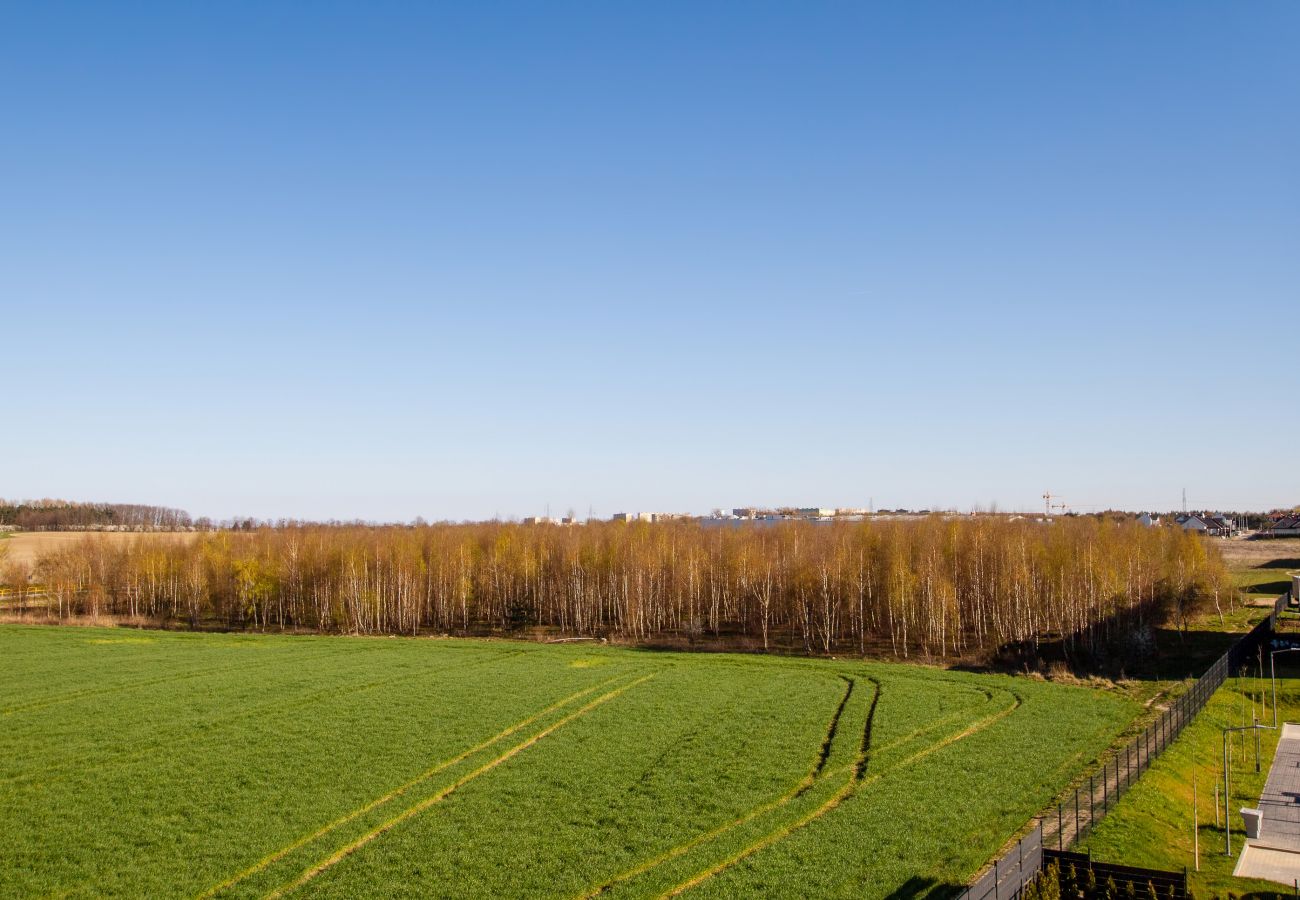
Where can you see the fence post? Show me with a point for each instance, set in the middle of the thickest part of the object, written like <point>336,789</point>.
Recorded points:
<point>1060,828</point>
<point>1076,814</point>
<point>1020,863</point>
<point>1092,800</point>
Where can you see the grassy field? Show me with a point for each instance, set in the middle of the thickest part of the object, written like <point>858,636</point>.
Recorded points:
<point>1152,825</point>
<point>1260,568</point>
<point>173,764</point>
<point>24,547</point>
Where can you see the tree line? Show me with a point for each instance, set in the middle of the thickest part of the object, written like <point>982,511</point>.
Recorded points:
<point>70,515</point>
<point>936,587</point>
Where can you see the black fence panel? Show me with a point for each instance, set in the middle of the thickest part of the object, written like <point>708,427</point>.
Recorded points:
<point>1167,884</point>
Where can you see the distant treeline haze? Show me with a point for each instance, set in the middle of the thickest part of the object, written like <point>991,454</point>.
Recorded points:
<point>69,515</point>
<point>934,587</point>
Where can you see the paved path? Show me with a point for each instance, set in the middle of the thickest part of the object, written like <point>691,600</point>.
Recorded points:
<point>1280,801</point>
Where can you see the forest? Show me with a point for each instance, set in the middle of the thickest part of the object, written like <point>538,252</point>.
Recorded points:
<point>930,588</point>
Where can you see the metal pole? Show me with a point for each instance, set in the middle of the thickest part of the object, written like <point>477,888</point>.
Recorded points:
<point>1020,861</point>
<point>1092,800</point>
<point>1227,821</point>
<point>1272,674</point>
<point>1076,814</point>
<point>1255,728</point>
<point>1060,828</point>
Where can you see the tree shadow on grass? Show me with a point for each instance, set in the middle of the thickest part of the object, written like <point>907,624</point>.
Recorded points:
<point>1279,564</point>
<point>1271,588</point>
<point>1164,654</point>
<point>917,887</point>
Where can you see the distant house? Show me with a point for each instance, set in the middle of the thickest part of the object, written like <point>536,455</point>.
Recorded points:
<point>1286,526</point>
<point>1149,520</point>
<point>1205,523</point>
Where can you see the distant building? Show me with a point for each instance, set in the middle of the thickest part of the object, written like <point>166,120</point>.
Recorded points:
<point>539,520</point>
<point>1286,526</point>
<point>815,512</point>
<point>1205,523</point>
<point>744,512</point>
<point>1148,520</point>
<point>633,517</point>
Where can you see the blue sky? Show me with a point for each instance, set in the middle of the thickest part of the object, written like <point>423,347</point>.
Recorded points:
<point>384,260</point>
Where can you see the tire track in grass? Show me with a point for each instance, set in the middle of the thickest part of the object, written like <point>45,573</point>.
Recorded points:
<point>141,749</point>
<point>858,781</point>
<point>825,753</point>
<point>937,723</point>
<point>804,784</point>
<point>276,856</point>
<point>345,851</point>
<point>859,769</point>
<point>974,728</point>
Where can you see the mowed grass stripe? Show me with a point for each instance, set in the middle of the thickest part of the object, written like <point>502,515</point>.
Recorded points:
<point>280,705</point>
<point>74,654</point>
<point>418,808</point>
<point>424,776</point>
<point>168,678</point>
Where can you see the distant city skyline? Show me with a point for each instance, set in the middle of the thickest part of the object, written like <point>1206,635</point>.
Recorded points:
<point>403,260</point>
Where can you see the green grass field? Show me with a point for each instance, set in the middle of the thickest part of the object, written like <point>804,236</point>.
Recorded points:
<point>173,764</point>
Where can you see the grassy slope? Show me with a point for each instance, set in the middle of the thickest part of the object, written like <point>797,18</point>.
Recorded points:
<point>1152,825</point>
<point>161,764</point>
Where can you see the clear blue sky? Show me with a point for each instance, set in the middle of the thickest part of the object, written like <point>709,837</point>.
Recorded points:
<point>384,260</point>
